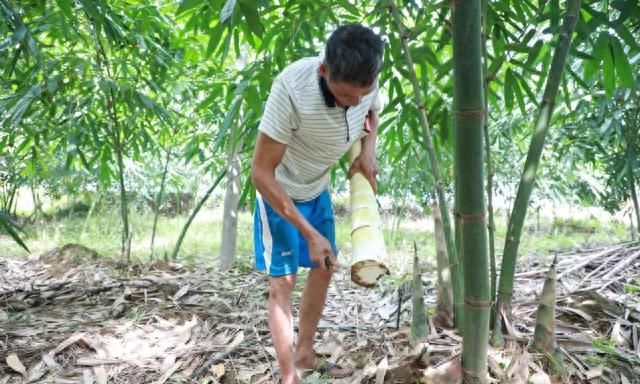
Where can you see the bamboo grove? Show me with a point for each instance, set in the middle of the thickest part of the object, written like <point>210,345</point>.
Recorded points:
<point>92,92</point>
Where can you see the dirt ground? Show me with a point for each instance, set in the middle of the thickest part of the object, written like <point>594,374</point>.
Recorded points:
<point>66,317</point>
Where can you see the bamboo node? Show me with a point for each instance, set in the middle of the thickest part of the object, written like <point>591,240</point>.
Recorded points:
<point>484,304</point>
<point>472,113</point>
<point>360,227</point>
<point>475,375</point>
<point>471,218</point>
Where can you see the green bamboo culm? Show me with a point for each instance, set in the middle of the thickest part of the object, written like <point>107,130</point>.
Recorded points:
<point>488,160</point>
<point>544,337</point>
<point>419,322</point>
<point>468,101</point>
<point>528,177</point>
<point>456,277</point>
<point>631,133</point>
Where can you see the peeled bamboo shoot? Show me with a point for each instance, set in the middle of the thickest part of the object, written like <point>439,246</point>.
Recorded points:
<point>367,238</point>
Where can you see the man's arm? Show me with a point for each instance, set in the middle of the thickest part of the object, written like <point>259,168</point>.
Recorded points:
<point>267,156</point>
<point>366,163</point>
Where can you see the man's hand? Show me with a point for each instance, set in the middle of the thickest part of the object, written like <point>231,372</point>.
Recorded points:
<point>320,252</point>
<point>366,164</point>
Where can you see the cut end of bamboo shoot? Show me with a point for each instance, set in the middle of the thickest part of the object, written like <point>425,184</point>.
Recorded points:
<point>366,273</point>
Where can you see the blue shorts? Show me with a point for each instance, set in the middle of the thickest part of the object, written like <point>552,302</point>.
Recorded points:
<point>279,247</point>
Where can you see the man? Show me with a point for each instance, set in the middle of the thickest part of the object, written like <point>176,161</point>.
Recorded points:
<point>316,110</point>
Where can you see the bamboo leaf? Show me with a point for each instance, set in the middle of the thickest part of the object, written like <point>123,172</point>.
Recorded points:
<point>7,225</point>
<point>186,5</point>
<point>247,191</point>
<point>228,119</point>
<point>65,7</point>
<point>591,67</point>
<point>104,170</point>
<point>227,10</point>
<point>15,38</point>
<point>534,52</point>
<point>627,37</point>
<point>508,90</point>
<point>250,12</point>
<point>524,86</point>
<point>608,71</point>
<point>253,99</point>
<point>577,78</point>
<point>14,362</point>
<point>444,125</point>
<point>214,38</point>
<point>227,44</point>
<point>352,9</point>
<point>600,48</point>
<point>519,97</point>
<point>623,68</point>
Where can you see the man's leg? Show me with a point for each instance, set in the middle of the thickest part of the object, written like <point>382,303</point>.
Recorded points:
<point>281,325</point>
<point>311,306</point>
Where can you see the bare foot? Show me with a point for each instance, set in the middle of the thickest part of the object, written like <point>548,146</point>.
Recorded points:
<point>290,380</point>
<point>309,362</point>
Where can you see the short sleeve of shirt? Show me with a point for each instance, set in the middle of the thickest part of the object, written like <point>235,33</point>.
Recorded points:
<point>376,103</point>
<point>277,119</point>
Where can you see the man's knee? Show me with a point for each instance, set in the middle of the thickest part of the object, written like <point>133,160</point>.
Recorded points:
<point>282,286</point>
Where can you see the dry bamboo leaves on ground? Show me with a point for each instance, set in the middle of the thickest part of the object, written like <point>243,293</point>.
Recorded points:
<point>67,322</point>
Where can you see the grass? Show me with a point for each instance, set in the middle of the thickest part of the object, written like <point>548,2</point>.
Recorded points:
<point>102,231</point>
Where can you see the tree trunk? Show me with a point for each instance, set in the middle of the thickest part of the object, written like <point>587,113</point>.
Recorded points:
<point>527,180</point>
<point>435,171</point>
<point>444,313</point>
<point>159,201</point>
<point>228,246</point>
<point>185,228</point>
<point>469,119</point>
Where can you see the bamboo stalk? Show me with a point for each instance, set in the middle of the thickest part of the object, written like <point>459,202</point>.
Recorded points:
<point>183,233</point>
<point>632,137</point>
<point>488,160</point>
<point>470,198</point>
<point>435,171</point>
<point>115,132</point>
<point>528,177</point>
<point>159,197</point>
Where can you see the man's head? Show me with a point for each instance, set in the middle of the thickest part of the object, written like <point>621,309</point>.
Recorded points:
<point>352,63</point>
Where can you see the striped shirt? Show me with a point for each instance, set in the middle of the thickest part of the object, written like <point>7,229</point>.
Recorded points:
<point>316,134</point>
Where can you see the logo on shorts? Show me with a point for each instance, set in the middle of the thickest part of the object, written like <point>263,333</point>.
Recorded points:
<point>286,253</point>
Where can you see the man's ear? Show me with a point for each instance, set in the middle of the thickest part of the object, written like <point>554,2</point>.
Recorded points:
<point>324,70</point>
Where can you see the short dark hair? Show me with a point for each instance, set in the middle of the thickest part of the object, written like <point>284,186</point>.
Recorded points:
<point>354,55</point>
